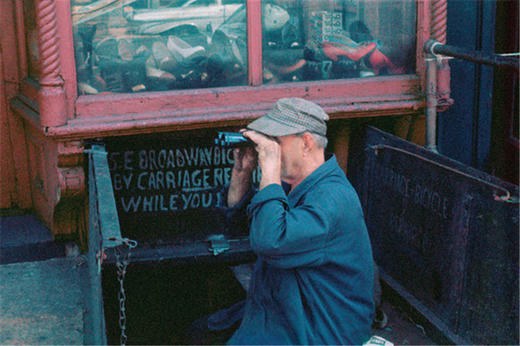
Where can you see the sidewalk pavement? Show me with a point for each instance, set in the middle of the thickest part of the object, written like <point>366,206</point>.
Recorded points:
<point>42,302</point>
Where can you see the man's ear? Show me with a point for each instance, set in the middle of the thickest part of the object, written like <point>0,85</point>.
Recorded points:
<point>308,142</point>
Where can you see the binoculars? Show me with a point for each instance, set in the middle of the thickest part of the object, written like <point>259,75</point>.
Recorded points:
<point>232,139</point>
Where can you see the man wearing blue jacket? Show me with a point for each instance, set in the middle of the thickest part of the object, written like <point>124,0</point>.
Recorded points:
<point>313,281</point>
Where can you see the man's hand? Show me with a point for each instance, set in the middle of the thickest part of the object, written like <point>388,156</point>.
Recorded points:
<point>245,163</point>
<point>245,159</point>
<point>269,157</point>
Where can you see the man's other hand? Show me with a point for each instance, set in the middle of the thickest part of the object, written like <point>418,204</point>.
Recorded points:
<point>245,162</point>
<point>269,157</point>
<point>245,159</point>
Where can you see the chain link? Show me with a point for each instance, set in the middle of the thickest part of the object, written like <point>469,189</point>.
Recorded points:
<point>122,254</point>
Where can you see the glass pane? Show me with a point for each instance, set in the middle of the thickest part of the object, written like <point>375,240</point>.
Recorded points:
<point>156,45</point>
<point>31,39</point>
<point>331,39</point>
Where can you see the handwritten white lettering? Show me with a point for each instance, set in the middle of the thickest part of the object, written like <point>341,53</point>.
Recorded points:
<point>171,179</point>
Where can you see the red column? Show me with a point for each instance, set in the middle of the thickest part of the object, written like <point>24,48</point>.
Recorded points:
<point>254,41</point>
<point>51,96</point>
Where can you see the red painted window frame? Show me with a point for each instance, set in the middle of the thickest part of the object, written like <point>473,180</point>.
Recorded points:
<point>96,115</point>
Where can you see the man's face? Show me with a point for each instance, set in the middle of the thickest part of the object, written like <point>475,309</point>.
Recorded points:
<point>291,155</point>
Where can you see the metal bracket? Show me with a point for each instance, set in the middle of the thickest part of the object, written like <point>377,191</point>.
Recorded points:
<point>218,244</point>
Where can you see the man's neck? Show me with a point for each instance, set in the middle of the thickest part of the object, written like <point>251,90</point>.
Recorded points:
<point>311,164</point>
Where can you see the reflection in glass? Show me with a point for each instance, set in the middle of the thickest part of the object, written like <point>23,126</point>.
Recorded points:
<point>331,39</point>
<point>155,45</point>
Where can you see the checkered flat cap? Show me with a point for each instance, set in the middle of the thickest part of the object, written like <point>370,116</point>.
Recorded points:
<point>291,116</point>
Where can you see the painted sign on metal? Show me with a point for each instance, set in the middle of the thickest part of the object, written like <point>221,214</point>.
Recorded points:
<point>166,185</point>
<point>447,233</point>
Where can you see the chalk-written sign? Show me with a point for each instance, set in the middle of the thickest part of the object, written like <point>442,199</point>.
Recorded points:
<point>171,184</point>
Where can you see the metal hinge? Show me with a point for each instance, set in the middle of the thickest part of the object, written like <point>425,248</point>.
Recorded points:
<point>218,244</point>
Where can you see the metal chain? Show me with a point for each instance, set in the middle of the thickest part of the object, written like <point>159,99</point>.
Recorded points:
<point>122,254</point>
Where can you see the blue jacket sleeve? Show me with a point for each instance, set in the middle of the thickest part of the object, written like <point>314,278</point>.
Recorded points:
<point>289,237</point>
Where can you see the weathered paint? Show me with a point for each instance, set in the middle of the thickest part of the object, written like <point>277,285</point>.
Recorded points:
<point>154,122</point>
<point>14,164</point>
<point>54,116</point>
<point>51,96</point>
<point>20,37</point>
<point>66,51</point>
<point>254,41</point>
<point>57,181</point>
<point>369,90</point>
<point>168,187</point>
<point>444,231</point>
<point>7,177</point>
<point>431,104</point>
<point>423,34</point>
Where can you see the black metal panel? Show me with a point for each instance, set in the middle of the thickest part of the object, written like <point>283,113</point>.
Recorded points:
<point>445,233</point>
<point>169,187</point>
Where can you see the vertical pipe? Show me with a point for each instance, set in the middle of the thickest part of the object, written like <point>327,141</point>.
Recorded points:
<point>431,103</point>
<point>438,33</point>
<point>254,41</point>
<point>417,126</point>
<point>439,20</point>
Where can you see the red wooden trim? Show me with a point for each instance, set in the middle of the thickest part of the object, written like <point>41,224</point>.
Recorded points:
<point>7,173</point>
<point>13,140</point>
<point>20,35</point>
<point>188,101</point>
<point>8,42</point>
<point>254,41</point>
<point>228,100</point>
<point>51,96</point>
<point>26,109</point>
<point>350,100</point>
<point>29,88</point>
<point>423,34</point>
<point>48,42</point>
<point>128,124</point>
<point>439,13</point>
<point>66,50</point>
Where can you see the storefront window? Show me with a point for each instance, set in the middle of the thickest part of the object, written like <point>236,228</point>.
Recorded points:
<point>331,39</point>
<point>155,45</point>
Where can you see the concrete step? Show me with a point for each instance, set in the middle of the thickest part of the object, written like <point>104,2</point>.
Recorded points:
<point>24,239</point>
